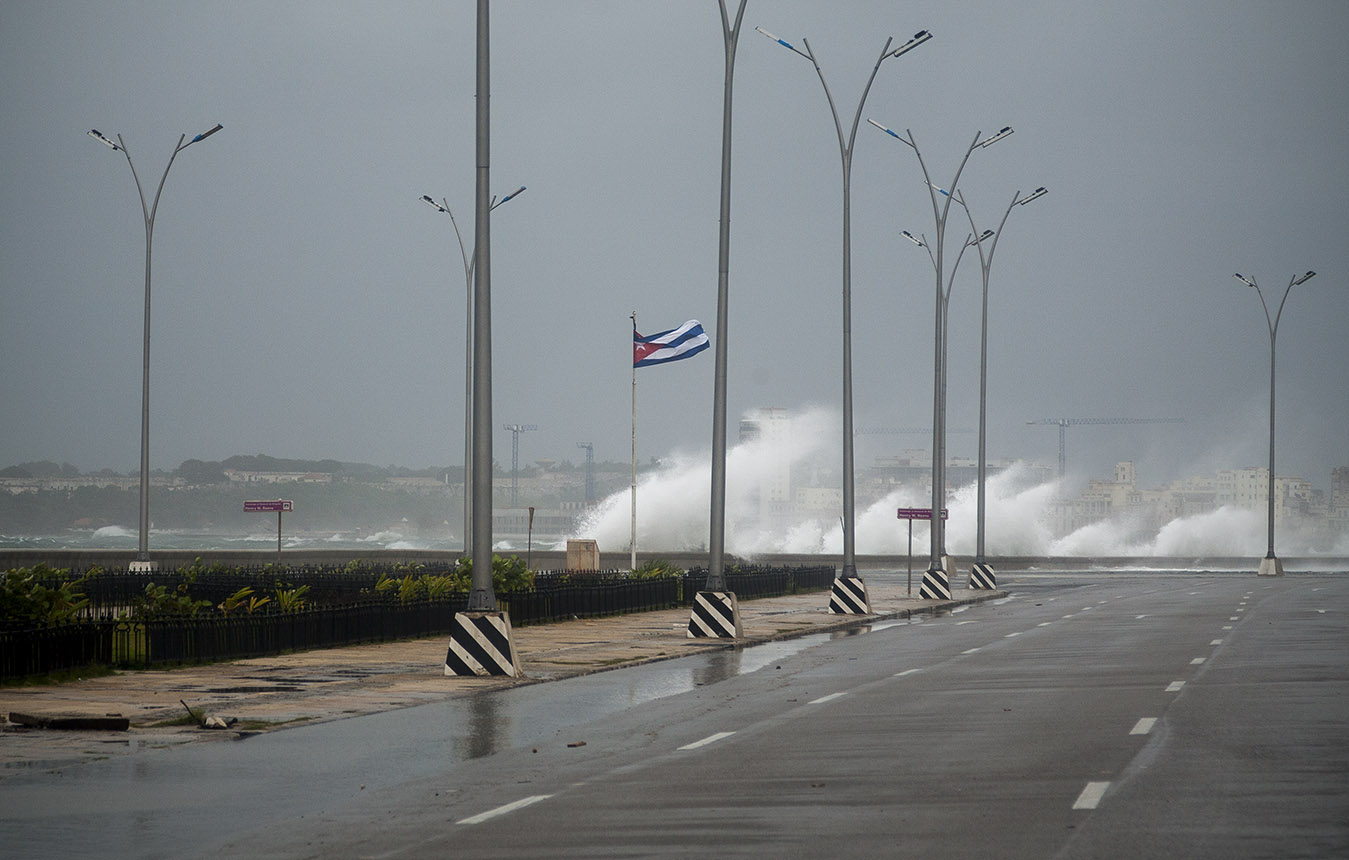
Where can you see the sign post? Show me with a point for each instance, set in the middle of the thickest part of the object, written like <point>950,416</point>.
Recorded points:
<point>912,514</point>
<point>267,506</point>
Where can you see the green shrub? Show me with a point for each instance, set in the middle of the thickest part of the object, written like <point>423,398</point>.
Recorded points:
<point>41,594</point>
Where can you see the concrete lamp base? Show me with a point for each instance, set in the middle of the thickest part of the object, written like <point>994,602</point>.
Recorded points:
<point>1270,567</point>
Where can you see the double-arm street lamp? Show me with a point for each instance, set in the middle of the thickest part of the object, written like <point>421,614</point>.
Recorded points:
<point>142,561</point>
<point>936,583</point>
<point>1270,564</point>
<point>981,574</point>
<point>845,146</point>
<point>468,356</point>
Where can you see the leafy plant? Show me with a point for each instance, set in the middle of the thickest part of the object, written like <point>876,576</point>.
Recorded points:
<point>657,569</point>
<point>508,574</point>
<point>41,594</point>
<point>158,600</point>
<point>244,599</point>
<point>290,599</point>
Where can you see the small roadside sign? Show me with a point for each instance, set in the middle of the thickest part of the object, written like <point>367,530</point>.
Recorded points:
<point>270,506</point>
<point>919,513</point>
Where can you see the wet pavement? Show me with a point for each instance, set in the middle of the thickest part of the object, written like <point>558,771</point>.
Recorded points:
<point>272,693</point>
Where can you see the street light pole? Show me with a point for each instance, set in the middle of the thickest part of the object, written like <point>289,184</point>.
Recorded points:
<point>936,582</point>
<point>716,577</point>
<point>846,152</point>
<point>981,574</point>
<point>1270,565</point>
<point>142,561</point>
<point>444,206</point>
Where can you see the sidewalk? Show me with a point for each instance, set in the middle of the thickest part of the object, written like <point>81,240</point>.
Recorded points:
<point>269,693</point>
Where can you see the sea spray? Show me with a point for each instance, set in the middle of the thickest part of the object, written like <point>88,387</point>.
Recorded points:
<point>761,517</point>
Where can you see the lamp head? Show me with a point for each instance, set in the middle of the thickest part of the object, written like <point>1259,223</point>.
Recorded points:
<point>98,136</point>
<point>1244,280</point>
<point>433,204</point>
<point>1006,130</point>
<point>1039,192</point>
<point>912,238</point>
<point>918,38</point>
<point>781,42</point>
<point>1304,279</point>
<point>207,133</point>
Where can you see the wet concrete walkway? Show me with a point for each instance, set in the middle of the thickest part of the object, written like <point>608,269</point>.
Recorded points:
<point>270,693</point>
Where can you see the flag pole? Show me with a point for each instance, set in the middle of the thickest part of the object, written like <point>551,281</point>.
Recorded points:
<point>632,545</point>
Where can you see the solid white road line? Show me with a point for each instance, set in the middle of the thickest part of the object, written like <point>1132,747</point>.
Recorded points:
<point>710,739</point>
<point>1091,795</point>
<point>502,810</point>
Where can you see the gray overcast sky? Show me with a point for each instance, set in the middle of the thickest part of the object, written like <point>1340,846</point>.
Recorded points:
<point>307,305</point>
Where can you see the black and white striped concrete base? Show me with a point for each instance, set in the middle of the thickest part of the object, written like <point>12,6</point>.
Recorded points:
<point>716,614</point>
<point>983,577</point>
<point>936,586</point>
<point>480,644</point>
<point>848,596</point>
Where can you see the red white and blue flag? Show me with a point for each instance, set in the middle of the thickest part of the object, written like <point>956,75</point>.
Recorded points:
<point>677,343</point>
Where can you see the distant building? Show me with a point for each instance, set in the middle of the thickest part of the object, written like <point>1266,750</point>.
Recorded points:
<point>246,476</point>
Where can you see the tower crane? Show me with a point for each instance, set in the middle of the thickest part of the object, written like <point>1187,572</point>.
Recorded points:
<point>590,471</point>
<point>516,430</point>
<point>1064,423</point>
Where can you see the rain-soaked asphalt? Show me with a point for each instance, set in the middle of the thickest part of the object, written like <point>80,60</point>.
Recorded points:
<point>167,802</point>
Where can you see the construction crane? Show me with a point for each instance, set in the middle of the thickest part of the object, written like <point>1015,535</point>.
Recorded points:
<point>902,431</point>
<point>590,471</point>
<point>1064,423</point>
<point>516,430</point>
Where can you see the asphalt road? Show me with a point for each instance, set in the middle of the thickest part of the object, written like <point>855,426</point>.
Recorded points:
<point>1105,715</point>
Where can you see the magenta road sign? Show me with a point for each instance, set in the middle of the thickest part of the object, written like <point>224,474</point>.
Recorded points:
<point>918,513</point>
<point>270,506</point>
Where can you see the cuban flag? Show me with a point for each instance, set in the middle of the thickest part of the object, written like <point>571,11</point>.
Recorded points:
<point>677,343</point>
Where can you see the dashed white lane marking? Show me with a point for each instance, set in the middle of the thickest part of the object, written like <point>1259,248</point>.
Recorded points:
<point>710,739</point>
<point>906,672</point>
<point>829,698</point>
<point>1321,611</point>
<point>1227,626</point>
<point>502,810</point>
<point>1234,618</point>
<point>1139,617</point>
<point>1143,726</point>
<point>1091,795</point>
<point>1070,615</point>
<point>1216,642</point>
<point>1174,686</point>
<point>969,651</point>
<point>1012,635</point>
<point>1196,661</point>
<point>1044,623</point>
<point>960,623</point>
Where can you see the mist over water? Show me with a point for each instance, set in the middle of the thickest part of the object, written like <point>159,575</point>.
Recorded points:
<point>673,512</point>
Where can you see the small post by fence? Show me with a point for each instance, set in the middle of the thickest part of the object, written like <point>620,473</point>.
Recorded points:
<point>912,514</point>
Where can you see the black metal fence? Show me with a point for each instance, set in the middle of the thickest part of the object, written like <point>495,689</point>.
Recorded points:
<point>365,617</point>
